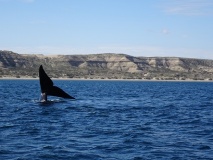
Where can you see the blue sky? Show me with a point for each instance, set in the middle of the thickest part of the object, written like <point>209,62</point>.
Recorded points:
<point>174,28</point>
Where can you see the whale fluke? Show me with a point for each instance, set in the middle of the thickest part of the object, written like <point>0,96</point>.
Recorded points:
<point>47,87</point>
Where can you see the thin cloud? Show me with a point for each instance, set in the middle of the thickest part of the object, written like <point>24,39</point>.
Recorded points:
<point>36,22</point>
<point>27,1</point>
<point>165,31</point>
<point>189,7</point>
<point>23,1</point>
<point>138,51</point>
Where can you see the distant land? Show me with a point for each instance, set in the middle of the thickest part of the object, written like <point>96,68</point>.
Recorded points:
<point>105,66</point>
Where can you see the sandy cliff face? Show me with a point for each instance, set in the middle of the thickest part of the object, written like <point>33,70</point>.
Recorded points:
<point>106,66</point>
<point>168,63</point>
<point>118,62</point>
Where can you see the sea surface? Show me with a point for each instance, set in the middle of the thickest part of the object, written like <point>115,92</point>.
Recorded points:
<point>109,120</point>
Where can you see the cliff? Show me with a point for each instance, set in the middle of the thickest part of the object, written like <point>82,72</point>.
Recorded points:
<point>105,66</point>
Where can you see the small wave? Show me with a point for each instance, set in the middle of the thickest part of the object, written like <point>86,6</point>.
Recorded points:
<point>49,102</point>
<point>165,121</point>
<point>6,126</point>
<point>204,147</point>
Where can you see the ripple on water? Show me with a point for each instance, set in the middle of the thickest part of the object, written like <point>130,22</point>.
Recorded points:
<point>109,120</point>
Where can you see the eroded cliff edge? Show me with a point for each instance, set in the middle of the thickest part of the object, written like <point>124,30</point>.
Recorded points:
<point>105,66</point>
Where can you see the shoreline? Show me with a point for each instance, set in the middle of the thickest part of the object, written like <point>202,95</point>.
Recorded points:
<point>97,79</point>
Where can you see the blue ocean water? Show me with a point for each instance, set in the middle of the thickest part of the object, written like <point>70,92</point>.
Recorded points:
<point>113,120</point>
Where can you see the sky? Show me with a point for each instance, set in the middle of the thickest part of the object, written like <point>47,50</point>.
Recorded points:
<point>159,28</point>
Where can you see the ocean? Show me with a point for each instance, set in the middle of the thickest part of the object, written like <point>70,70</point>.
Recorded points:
<point>108,120</point>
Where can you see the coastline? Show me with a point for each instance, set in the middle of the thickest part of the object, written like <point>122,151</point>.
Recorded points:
<point>100,79</point>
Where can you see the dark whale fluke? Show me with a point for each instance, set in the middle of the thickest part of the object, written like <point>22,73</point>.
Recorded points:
<point>47,87</point>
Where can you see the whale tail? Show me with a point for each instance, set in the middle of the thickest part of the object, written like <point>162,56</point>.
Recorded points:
<point>48,88</point>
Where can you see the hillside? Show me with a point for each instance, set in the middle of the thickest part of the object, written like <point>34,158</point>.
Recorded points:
<point>105,66</point>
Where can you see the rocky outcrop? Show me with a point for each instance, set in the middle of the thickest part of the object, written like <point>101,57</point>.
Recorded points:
<point>105,66</point>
